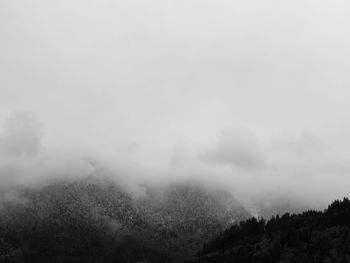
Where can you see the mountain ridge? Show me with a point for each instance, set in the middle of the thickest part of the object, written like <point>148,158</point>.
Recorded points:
<point>93,219</point>
<point>311,236</point>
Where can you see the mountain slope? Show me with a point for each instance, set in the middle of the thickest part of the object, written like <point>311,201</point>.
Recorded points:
<point>185,214</point>
<point>92,220</point>
<point>312,236</point>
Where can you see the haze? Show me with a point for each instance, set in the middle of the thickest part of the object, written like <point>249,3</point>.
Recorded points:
<point>253,95</point>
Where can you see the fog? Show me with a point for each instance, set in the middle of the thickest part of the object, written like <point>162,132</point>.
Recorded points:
<point>251,96</point>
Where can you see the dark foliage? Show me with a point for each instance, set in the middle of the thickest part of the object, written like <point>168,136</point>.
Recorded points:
<point>74,222</point>
<point>312,237</point>
<point>96,221</point>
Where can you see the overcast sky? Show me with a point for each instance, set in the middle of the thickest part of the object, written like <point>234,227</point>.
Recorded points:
<point>253,91</point>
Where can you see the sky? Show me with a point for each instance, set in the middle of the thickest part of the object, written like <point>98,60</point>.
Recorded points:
<point>252,94</point>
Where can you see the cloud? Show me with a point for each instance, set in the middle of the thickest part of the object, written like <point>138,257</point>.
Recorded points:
<point>22,136</point>
<point>239,148</point>
<point>25,161</point>
<point>239,160</point>
<point>19,146</point>
<point>127,81</point>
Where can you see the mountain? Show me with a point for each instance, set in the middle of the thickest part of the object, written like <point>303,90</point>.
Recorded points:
<point>312,236</point>
<point>185,214</point>
<point>268,206</point>
<point>97,220</point>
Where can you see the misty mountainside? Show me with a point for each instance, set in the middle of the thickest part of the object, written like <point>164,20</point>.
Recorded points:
<point>96,220</point>
<point>310,237</point>
<point>267,207</point>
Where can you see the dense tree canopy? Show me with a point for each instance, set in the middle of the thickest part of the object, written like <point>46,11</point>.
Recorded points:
<point>94,220</point>
<point>312,236</point>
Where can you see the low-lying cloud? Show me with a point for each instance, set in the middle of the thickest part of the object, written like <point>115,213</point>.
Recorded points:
<point>25,161</point>
<point>21,136</point>
<point>148,90</point>
<point>303,168</point>
<point>239,148</point>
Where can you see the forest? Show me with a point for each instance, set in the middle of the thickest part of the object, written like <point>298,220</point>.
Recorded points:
<point>311,236</point>
<point>92,220</point>
<point>97,220</point>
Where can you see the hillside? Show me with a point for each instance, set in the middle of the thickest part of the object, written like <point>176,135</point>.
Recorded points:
<point>312,236</point>
<point>91,220</point>
<point>183,215</point>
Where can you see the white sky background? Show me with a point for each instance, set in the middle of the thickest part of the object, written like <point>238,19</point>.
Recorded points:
<point>253,92</point>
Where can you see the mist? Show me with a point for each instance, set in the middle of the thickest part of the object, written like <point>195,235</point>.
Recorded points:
<point>251,97</point>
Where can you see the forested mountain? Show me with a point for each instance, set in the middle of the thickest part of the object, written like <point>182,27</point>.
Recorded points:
<point>311,236</point>
<point>183,215</point>
<point>268,206</point>
<point>92,220</point>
